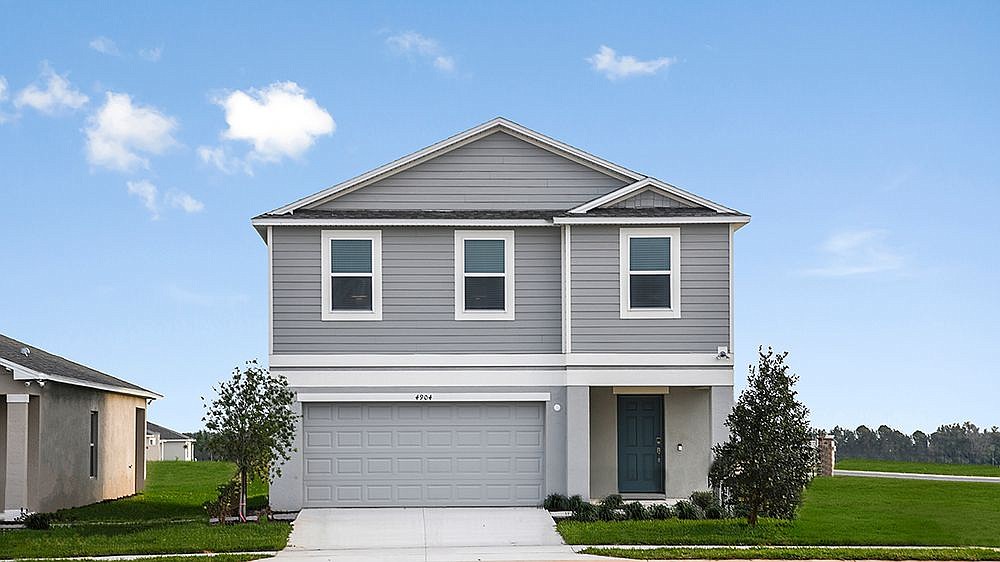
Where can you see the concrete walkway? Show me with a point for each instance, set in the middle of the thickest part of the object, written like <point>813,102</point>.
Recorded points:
<point>917,476</point>
<point>426,535</point>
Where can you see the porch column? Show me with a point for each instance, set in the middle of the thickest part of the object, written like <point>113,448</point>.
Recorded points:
<point>578,441</point>
<point>16,469</point>
<point>720,404</point>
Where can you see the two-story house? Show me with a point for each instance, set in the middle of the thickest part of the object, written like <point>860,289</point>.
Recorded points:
<point>497,317</point>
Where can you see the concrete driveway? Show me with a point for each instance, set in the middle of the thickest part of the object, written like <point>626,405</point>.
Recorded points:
<point>426,534</point>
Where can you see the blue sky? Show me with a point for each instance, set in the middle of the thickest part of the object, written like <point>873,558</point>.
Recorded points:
<point>862,137</point>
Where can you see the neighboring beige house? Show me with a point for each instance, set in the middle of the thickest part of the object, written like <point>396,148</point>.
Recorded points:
<point>163,444</point>
<point>69,435</point>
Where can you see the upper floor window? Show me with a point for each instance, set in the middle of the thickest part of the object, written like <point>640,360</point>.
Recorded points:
<point>484,275</point>
<point>649,261</point>
<point>352,275</point>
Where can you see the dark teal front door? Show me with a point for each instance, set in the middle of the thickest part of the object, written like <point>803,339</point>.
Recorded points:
<point>640,444</point>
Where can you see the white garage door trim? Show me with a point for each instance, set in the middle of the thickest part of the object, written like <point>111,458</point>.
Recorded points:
<point>424,397</point>
<point>380,454</point>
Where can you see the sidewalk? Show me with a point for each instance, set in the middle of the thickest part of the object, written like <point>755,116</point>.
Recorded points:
<point>917,476</point>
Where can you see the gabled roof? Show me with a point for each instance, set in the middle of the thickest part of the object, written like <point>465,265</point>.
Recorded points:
<point>167,434</point>
<point>649,183</point>
<point>38,364</point>
<point>498,124</point>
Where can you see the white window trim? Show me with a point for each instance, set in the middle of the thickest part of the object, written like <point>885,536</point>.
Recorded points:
<point>328,314</point>
<point>508,263</point>
<point>624,286</point>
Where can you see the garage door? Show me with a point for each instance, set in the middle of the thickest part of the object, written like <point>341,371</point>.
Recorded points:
<point>444,454</point>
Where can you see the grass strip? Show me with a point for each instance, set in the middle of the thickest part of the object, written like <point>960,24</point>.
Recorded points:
<point>142,538</point>
<point>796,553</point>
<point>919,467</point>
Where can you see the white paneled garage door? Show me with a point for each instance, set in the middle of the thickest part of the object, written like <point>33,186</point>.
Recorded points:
<point>444,454</point>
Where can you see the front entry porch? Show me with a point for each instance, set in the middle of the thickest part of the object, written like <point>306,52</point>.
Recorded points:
<point>646,443</point>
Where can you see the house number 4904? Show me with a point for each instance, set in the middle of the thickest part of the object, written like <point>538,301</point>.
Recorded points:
<point>424,397</point>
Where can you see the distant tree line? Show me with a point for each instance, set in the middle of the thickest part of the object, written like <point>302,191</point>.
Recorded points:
<point>954,443</point>
<point>202,450</point>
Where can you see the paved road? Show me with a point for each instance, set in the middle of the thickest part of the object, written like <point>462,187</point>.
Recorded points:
<point>916,476</point>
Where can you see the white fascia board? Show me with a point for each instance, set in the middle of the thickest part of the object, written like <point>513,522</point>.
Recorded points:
<point>22,373</point>
<point>451,143</point>
<point>323,380</point>
<point>308,396</point>
<point>400,222</point>
<point>721,219</point>
<point>541,360</point>
<point>627,190</point>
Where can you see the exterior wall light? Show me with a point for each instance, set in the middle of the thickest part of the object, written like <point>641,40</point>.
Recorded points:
<point>680,447</point>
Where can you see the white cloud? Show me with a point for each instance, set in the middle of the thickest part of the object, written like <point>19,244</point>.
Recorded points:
<point>3,98</point>
<point>147,193</point>
<point>615,66</point>
<point>120,132</point>
<point>278,121</point>
<point>412,43</point>
<point>183,201</point>
<point>152,54</point>
<point>56,95</point>
<point>105,46</point>
<point>220,157</point>
<point>857,252</point>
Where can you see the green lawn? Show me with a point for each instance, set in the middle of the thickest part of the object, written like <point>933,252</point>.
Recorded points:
<point>206,558</point>
<point>836,511</point>
<point>142,524</point>
<point>808,553</point>
<point>919,467</point>
<point>174,490</point>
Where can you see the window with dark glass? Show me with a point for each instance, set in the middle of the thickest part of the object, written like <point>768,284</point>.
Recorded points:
<point>484,274</point>
<point>93,444</point>
<point>351,274</point>
<point>649,272</point>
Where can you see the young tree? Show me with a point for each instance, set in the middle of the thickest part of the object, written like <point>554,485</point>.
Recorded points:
<point>251,423</point>
<point>769,457</point>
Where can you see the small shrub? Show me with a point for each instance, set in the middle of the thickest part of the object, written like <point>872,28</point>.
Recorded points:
<point>555,502</point>
<point>704,500</point>
<point>715,512</point>
<point>587,513</point>
<point>610,508</point>
<point>575,502</point>
<point>37,521</point>
<point>226,504</point>
<point>660,511</point>
<point>613,501</point>
<point>688,510</point>
<point>635,511</point>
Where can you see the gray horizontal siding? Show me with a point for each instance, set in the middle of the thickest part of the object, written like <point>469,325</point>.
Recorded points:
<point>649,199</point>
<point>704,322</point>
<point>497,172</point>
<point>418,297</point>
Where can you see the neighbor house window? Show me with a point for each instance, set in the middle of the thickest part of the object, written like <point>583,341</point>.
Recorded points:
<point>484,275</point>
<point>650,272</point>
<point>352,275</point>
<point>93,444</point>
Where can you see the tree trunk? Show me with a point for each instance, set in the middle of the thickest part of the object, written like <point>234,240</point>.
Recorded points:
<point>752,516</point>
<point>243,496</point>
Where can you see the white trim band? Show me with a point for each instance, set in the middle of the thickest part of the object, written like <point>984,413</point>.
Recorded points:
<point>503,360</point>
<point>18,398</point>
<point>423,396</point>
<point>723,219</point>
<point>400,222</point>
<point>22,373</point>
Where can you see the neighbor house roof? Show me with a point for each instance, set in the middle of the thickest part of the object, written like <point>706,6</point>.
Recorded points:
<point>167,434</point>
<point>31,363</point>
